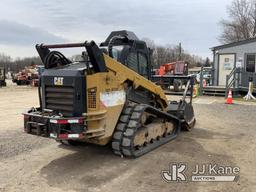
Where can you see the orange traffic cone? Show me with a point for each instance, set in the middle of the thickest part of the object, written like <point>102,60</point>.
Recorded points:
<point>229,100</point>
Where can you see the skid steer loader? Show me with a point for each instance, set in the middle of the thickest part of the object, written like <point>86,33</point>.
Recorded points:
<point>106,97</point>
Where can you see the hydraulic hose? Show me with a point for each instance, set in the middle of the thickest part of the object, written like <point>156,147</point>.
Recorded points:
<point>55,58</point>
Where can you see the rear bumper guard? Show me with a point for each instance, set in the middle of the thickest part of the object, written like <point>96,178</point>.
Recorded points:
<point>61,128</point>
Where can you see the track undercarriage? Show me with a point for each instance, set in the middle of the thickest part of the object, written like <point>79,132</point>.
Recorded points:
<point>142,128</point>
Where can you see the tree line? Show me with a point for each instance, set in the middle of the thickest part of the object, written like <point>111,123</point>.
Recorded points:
<point>162,54</point>
<point>15,65</point>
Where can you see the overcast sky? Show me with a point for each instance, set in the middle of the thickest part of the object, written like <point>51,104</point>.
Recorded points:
<point>194,23</point>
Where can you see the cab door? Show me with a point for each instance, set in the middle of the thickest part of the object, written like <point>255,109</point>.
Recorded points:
<point>138,62</point>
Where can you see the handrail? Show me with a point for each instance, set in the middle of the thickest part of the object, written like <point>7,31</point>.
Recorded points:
<point>232,80</point>
<point>232,73</point>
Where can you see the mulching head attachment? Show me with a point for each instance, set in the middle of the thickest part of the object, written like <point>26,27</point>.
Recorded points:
<point>183,109</point>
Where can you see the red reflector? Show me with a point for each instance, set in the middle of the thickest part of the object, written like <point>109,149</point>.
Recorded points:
<point>62,121</point>
<point>63,136</point>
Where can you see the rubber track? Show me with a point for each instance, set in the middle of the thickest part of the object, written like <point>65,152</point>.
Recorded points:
<point>122,143</point>
<point>120,129</point>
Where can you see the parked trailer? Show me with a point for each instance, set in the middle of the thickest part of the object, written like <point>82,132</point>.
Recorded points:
<point>168,80</point>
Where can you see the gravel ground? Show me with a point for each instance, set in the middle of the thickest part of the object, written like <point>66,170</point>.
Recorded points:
<point>224,134</point>
<point>16,142</point>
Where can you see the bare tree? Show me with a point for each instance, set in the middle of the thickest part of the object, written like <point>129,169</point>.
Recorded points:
<point>17,64</point>
<point>242,21</point>
<point>170,53</point>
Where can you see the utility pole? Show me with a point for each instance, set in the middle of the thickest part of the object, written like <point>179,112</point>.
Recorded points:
<point>180,50</point>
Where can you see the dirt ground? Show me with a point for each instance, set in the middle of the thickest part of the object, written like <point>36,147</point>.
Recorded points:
<point>224,134</point>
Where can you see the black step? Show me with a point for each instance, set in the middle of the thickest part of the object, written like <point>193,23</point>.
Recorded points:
<point>214,91</point>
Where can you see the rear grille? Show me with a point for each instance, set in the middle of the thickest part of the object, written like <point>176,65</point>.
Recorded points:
<point>60,99</point>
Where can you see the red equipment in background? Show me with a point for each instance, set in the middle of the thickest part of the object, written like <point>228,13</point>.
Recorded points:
<point>174,68</point>
<point>171,74</point>
<point>27,76</point>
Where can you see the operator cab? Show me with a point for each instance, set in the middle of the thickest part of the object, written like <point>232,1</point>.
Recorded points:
<point>125,47</point>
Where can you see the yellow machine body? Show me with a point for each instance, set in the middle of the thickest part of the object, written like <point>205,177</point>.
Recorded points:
<point>106,98</point>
